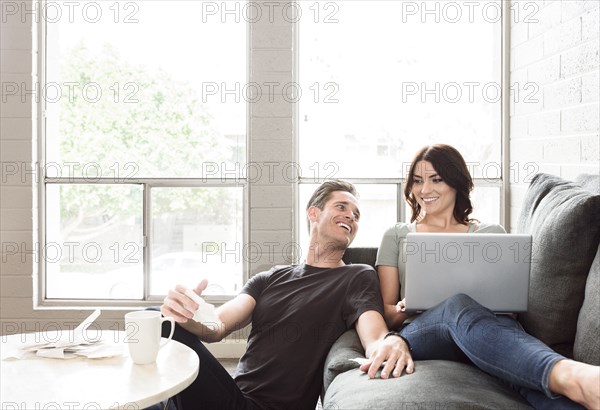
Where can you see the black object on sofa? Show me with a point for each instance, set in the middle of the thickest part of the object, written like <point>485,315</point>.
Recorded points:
<point>564,219</point>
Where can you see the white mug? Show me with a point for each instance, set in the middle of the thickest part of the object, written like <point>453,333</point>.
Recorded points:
<point>142,334</point>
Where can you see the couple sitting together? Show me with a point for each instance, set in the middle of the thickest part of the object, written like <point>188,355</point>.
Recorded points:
<point>297,312</point>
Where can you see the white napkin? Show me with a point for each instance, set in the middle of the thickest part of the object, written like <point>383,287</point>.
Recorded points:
<point>205,313</point>
<point>79,336</point>
<point>363,360</point>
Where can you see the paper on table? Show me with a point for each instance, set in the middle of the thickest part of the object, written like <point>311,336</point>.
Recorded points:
<point>205,313</point>
<point>94,351</point>
<point>15,353</point>
<point>69,345</point>
<point>73,337</point>
<point>78,335</point>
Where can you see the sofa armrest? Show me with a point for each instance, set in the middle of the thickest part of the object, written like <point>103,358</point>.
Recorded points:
<point>345,348</point>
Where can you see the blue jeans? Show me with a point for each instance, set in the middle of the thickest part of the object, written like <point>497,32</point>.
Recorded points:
<point>460,329</point>
<point>214,388</point>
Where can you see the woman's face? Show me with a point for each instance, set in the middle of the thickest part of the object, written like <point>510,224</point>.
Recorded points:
<point>431,192</point>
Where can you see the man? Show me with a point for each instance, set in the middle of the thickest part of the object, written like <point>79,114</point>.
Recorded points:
<point>297,313</point>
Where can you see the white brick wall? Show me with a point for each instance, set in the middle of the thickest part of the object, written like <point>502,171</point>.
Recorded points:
<point>558,55</point>
<point>271,141</point>
<point>18,211</point>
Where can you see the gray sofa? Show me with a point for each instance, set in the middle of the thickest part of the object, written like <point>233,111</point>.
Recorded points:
<point>564,311</point>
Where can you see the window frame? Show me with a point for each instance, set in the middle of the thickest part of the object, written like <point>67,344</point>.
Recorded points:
<point>502,183</point>
<point>40,300</point>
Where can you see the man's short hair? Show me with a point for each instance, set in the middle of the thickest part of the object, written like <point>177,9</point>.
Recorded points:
<point>321,195</point>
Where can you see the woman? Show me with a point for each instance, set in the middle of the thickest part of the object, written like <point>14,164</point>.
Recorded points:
<point>437,190</point>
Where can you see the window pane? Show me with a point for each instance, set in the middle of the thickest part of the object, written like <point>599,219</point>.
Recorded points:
<point>486,203</point>
<point>197,233</point>
<point>413,73</point>
<point>377,213</point>
<point>138,89</point>
<point>93,244</point>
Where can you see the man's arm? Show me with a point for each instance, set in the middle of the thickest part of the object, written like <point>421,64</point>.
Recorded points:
<point>233,315</point>
<point>371,329</point>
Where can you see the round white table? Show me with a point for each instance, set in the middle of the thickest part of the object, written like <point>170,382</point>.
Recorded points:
<point>82,383</point>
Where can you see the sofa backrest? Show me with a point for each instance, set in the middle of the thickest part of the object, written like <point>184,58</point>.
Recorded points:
<point>360,255</point>
<point>564,220</point>
<point>587,346</point>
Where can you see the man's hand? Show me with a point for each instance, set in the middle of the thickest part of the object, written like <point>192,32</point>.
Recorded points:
<point>233,315</point>
<point>178,305</point>
<point>395,353</point>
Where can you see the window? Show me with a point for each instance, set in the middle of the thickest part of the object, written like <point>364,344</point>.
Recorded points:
<point>137,124</point>
<point>386,78</point>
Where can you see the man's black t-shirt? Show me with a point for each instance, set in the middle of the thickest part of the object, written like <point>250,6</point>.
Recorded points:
<point>300,312</point>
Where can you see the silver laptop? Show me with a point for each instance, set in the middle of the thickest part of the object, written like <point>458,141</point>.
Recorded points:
<point>491,268</point>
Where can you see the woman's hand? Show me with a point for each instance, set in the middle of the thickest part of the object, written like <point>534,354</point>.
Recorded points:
<point>395,315</point>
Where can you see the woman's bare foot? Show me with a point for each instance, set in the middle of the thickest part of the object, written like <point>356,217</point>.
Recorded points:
<point>578,381</point>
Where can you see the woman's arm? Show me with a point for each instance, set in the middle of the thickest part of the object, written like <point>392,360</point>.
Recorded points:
<point>390,291</point>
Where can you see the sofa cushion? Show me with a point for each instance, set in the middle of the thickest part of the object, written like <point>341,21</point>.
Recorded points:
<point>345,348</point>
<point>587,345</point>
<point>564,219</point>
<point>435,384</point>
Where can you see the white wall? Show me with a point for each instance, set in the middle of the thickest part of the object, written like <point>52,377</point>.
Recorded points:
<point>18,204</point>
<point>557,57</point>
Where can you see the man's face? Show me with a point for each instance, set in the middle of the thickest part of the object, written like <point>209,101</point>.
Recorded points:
<point>337,223</point>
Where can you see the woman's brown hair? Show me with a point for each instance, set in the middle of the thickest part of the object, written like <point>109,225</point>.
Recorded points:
<point>451,167</point>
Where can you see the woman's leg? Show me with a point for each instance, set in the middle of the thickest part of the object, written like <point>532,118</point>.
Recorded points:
<point>496,345</point>
<point>540,401</point>
<point>579,381</point>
